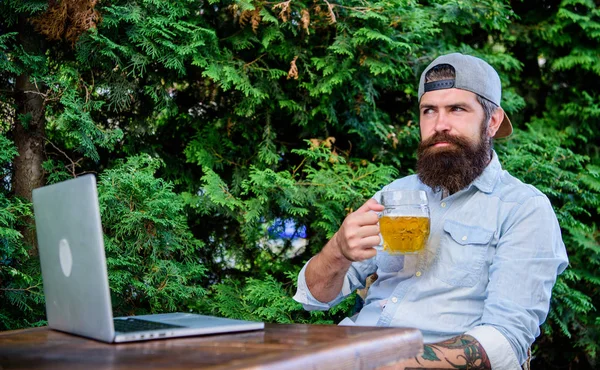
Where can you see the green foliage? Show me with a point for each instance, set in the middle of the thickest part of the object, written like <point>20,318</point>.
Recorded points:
<point>11,9</point>
<point>20,279</point>
<point>262,300</point>
<point>71,120</point>
<point>150,251</point>
<point>5,63</point>
<point>270,300</point>
<point>337,186</point>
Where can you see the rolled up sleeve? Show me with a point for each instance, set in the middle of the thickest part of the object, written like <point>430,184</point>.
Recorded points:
<point>355,279</point>
<point>496,346</point>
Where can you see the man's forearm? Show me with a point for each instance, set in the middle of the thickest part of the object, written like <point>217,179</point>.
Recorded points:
<point>461,352</point>
<point>325,273</point>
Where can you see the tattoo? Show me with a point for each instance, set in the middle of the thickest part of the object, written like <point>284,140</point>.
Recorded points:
<point>464,350</point>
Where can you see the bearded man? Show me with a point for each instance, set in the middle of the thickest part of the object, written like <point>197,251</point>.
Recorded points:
<point>482,288</point>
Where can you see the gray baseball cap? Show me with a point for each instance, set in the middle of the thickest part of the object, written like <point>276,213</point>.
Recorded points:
<point>472,74</point>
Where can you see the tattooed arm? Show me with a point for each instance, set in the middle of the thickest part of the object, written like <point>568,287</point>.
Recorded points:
<point>461,352</point>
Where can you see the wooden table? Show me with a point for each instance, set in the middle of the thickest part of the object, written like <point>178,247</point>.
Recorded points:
<point>278,347</point>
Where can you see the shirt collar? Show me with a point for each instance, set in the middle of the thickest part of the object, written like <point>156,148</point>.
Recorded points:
<point>487,180</point>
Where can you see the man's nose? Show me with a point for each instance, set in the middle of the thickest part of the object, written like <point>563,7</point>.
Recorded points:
<point>442,122</point>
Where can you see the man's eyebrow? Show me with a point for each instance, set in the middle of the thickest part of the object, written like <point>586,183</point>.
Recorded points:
<point>459,104</point>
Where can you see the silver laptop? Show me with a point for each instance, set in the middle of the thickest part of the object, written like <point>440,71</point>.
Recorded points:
<point>71,249</point>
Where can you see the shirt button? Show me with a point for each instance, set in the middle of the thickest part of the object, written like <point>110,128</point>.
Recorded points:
<point>394,300</point>
<point>464,237</point>
<point>443,205</point>
<point>418,273</point>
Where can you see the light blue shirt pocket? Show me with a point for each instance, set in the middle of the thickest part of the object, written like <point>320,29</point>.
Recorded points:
<point>462,254</point>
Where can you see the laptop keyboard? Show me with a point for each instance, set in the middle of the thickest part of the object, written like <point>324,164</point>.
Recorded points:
<point>132,325</point>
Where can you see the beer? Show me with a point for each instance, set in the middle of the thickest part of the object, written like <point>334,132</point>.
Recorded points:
<point>404,234</point>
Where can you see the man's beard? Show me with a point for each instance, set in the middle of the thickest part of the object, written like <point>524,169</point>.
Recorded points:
<point>453,167</point>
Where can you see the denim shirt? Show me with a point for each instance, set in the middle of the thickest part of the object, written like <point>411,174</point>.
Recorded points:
<point>493,255</point>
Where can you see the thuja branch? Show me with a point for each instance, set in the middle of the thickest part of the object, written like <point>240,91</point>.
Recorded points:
<point>31,289</point>
<point>254,61</point>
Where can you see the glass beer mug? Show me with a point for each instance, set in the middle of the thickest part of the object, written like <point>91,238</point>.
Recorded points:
<point>404,223</point>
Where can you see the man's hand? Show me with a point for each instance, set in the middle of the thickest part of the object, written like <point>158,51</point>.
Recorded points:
<point>354,241</point>
<point>359,233</point>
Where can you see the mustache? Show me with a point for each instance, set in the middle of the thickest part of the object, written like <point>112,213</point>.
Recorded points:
<point>444,137</point>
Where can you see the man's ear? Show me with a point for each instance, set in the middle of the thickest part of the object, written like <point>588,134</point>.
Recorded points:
<point>495,121</point>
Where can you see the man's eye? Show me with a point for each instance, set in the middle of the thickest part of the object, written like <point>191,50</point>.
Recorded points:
<point>457,109</point>
<point>427,111</point>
